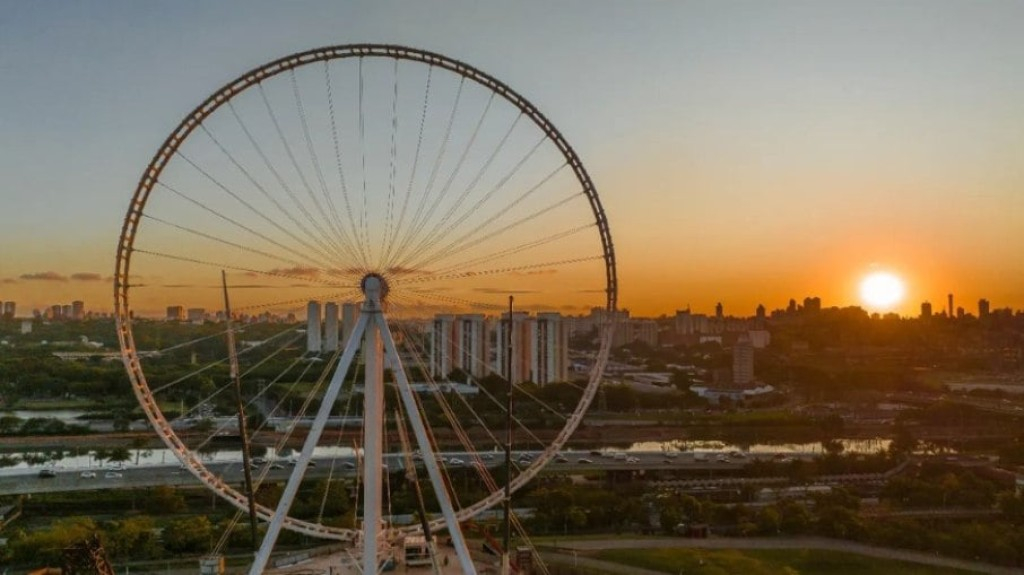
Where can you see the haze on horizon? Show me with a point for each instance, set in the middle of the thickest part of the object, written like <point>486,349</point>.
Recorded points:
<point>745,152</point>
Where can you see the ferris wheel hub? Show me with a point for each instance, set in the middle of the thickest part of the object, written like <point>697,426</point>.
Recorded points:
<point>374,286</point>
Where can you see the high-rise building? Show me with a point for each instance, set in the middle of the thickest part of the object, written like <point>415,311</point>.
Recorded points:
<point>812,304</point>
<point>175,313</point>
<point>759,313</point>
<point>313,341</point>
<point>684,322</point>
<point>9,309</point>
<point>330,343</point>
<point>520,353</point>
<point>743,361</point>
<point>926,309</point>
<point>196,315</point>
<point>442,345</point>
<point>56,312</point>
<point>349,317</point>
<point>645,331</point>
<point>66,312</point>
<point>983,307</point>
<point>719,311</point>
<point>549,349</point>
<point>472,347</point>
<point>78,310</point>
<point>949,310</point>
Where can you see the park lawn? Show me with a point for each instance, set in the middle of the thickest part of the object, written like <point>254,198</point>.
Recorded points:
<point>766,562</point>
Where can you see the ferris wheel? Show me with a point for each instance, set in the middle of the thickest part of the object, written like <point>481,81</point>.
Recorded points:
<point>415,189</point>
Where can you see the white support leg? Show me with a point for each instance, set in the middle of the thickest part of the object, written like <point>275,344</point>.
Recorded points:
<point>259,564</point>
<point>373,431</point>
<point>429,459</point>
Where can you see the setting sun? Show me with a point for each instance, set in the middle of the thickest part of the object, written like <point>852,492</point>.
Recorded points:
<point>881,290</point>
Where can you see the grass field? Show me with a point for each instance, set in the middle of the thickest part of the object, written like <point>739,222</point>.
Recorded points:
<point>765,562</point>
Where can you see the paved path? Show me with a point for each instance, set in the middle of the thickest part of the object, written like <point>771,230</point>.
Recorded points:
<point>780,543</point>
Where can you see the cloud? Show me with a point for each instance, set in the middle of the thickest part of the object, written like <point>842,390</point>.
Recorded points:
<point>536,272</point>
<point>299,271</point>
<point>86,277</point>
<point>45,276</point>
<point>503,291</point>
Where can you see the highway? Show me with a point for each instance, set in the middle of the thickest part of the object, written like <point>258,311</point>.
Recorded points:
<point>29,480</point>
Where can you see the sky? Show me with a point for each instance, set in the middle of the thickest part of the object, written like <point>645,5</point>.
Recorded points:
<point>744,152</point>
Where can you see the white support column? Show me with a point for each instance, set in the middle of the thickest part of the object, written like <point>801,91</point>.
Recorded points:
<point>259,564</point>
<point>373,431</point>
<point>429,459</point>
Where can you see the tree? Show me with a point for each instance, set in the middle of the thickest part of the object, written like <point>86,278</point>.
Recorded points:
<point>119,454</point>
<point>139,444</point>
<point>189,535</point>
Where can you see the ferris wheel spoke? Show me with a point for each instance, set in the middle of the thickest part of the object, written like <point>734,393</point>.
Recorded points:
<point>252,179</point>
<point>323,248</point>
<point>474,237</point>
<point>428,239</point>
<point>225,242</point>
<point>414,223</point>
<point>463,302</point>
<point>334,221</point>
<point>485,199</point>
<point>496,256</point>
<point>225,266</point>
<point>221,361</point>
<point>341,170</point>
<point>501,271</point>
<point>448,182</point>
<point>392,171</point>
<point>393,238</point>
<point>363,224</point>
<point>299,172</point>
<point>244,227</point>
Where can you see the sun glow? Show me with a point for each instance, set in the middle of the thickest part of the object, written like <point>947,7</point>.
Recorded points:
<point>881,290</point>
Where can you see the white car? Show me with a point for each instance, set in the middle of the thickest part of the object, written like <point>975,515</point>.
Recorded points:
<point>455,461</point>
<point>87,474</point>
<point>113,475</point>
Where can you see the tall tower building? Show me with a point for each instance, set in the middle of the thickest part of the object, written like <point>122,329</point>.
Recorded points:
<point>520,352</point>
<point>442,345</point>
<point>175,313</point>
<point>759,313</point>
<point>950,309</point>
<point>9,308</point>
<point>926,309</point>
<point>983,307</point>
<point>349,317</point>
<point>472,345</point>
<point>313,341</point>
<point>330,328</point>
<point>549,350</point>
<point>65,312</point>
<point>78,310</point>
<point>684,322</point>
<point>743,361</point>
<point>719,312</point>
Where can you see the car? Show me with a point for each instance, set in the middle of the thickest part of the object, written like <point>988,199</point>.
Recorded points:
<point>87,474</point>
<point>47,474</point>
<point>632,460</point>
<point>584,460</point>
<point>671,454</point>
<point>113,475</point>
<point>455,461</point>
<point>488,456</point>
<point>349,465</point>
<point>562,459</point>
<point>276,465</point>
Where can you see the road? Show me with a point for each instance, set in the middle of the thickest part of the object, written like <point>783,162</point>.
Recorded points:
<point>28,480</point>
<point>592,545</point>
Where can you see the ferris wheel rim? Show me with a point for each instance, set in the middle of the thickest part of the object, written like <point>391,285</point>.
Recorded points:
<point>151,176</point>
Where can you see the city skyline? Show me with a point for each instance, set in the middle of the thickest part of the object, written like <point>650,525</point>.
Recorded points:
<point>783,150</point>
